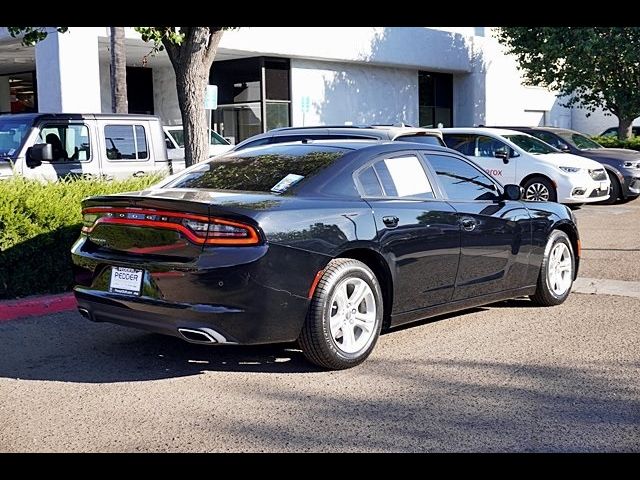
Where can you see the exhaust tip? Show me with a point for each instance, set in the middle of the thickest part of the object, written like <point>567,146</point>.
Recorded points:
<point>196,336</point>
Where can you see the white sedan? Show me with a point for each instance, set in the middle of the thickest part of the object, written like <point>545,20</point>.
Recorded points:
<point>545,173</point>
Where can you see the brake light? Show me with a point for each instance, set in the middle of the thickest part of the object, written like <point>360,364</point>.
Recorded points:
<point>197,228</point>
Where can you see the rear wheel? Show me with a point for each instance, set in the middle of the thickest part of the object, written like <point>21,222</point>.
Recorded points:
<point>539,189</point>
<point>345,316</point>
<point>556,272</point>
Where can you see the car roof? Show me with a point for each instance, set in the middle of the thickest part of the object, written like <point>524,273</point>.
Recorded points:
<point>476,130</point>
<point>540,128</point>
<point>78,116</point>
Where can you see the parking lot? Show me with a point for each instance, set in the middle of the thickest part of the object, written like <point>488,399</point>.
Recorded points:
<point>507,377</point>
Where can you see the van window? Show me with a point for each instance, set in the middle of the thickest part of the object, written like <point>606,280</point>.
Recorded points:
<point>68,142</point>
<point>126,142</point>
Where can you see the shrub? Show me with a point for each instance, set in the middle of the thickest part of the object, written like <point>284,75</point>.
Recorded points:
<point>38,224</point>
<point>612,142</point>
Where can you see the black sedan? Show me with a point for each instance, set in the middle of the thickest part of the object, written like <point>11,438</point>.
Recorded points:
<point>622,165</point>
<point>323,242</point>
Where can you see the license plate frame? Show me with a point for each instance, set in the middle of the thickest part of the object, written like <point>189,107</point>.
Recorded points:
<point>126,280</point>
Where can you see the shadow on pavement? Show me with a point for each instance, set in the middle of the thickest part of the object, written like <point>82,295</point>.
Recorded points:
<point>66,347</point>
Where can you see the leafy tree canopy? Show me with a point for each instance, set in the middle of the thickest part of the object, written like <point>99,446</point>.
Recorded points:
<point>594,66</point>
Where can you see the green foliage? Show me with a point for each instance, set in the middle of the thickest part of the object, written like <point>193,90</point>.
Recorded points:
<point>32,35</point>
<point>38,224</point>
<point>597,66</point>
<point>614,142</point>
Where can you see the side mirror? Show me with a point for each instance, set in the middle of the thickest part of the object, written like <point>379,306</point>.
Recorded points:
<point>168,144</point>
<point>41,152</point>
<point>512,192</point>
<point>503,154</point>
<point>564,147</point>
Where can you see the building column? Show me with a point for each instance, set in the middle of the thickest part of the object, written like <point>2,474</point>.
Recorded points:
<point>5,94</point>
<point>68,72</point>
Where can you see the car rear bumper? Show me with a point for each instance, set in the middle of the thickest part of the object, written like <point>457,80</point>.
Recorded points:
<point>247,303</point>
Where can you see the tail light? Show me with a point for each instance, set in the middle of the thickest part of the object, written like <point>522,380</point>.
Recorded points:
<point>197,228</point>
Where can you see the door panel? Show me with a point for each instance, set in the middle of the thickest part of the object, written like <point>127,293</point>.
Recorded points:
<point>424,249</point>
<point>495,247</point>
<point>495,234</point>
<point>486,147</point>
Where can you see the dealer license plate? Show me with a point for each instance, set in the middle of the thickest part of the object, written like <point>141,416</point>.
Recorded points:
<point>126,280</point>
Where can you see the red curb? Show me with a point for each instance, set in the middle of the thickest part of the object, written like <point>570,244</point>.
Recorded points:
<point>31,306</point>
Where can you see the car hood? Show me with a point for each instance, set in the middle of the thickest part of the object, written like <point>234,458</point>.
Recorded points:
<point>612,154</point>
<point>569,160</point>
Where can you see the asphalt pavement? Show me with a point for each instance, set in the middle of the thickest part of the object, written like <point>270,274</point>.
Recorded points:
<point>503,378</point>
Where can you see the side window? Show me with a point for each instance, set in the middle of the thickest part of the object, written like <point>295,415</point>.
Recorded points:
<point>126,142</point>
<point>488,146</point>
<point>68,142</point>
<point>548,138</point>
<point>463,143</point>
<point>461,181</point>
<point>370,184</point>
<point>396,177</point>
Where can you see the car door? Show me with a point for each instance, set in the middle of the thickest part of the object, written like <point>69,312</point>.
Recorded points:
<point>495,234</point>
<point>72,149</point>
<point>417,232</point>
<point>126,149</point>
<point>500,168</point>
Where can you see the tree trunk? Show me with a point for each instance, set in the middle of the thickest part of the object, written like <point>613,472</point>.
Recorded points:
<point>624,127</point>
<point>119,102</point>
<point>192,63</point>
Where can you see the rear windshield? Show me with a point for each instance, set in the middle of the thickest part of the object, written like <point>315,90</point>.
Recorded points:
<point>267,171</point>
<point>427,139</point>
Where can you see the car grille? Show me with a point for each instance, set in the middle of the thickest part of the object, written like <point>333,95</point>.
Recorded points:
<point>598,174</point>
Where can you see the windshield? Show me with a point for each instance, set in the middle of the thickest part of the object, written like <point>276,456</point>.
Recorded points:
<point>580,141</point>
<point>257,172</point>
<point>531,144</point>
<point>178,136</point>
<point>12,134</point>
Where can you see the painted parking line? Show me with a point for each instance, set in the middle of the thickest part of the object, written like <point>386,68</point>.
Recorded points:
<point>600,286</point>
<point>32,306</point>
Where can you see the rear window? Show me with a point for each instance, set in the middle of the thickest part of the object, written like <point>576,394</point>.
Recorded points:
<point>274,170</point>
<point>425,139</point>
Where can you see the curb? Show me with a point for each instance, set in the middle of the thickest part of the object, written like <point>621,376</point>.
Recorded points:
<point>40,305</point>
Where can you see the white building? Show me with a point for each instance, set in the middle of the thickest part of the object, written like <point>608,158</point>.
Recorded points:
<point>269,77</point>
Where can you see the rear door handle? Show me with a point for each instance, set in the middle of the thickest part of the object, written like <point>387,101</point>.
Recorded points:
<point>391,221</point>
<point>469,224</point>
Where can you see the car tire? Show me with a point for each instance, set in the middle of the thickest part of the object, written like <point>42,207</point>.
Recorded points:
<point>614,192</point>
<point>539,189</point>
<point>556,272</point>
<point>341,330</point>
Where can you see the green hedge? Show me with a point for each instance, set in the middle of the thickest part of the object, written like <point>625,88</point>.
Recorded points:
<point>38,224</point>
<point>612,142</point>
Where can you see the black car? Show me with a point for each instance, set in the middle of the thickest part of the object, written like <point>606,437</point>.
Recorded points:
<point>323,243</point>
<point>622,165</point>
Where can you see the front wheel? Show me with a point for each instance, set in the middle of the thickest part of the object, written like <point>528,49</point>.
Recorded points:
<point>539,189</point>
<point>345,316</point>
<point>556,272</point>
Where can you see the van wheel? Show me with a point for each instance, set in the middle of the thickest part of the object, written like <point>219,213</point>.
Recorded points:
<point>556,272</point>
<point>539,189</point>
<point>345,316</point>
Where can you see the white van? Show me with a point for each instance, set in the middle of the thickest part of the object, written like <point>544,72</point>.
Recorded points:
<point>48,146</point>
<point>545,173</point>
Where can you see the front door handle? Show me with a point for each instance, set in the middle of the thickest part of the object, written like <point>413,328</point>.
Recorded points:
<point>469,224</point>
<point>391,221</point>
<point>139,174</point>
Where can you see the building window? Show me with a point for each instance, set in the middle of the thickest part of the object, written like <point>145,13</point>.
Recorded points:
<point>18,93</point>
<point>254,95</point>
<point>435,99</point>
